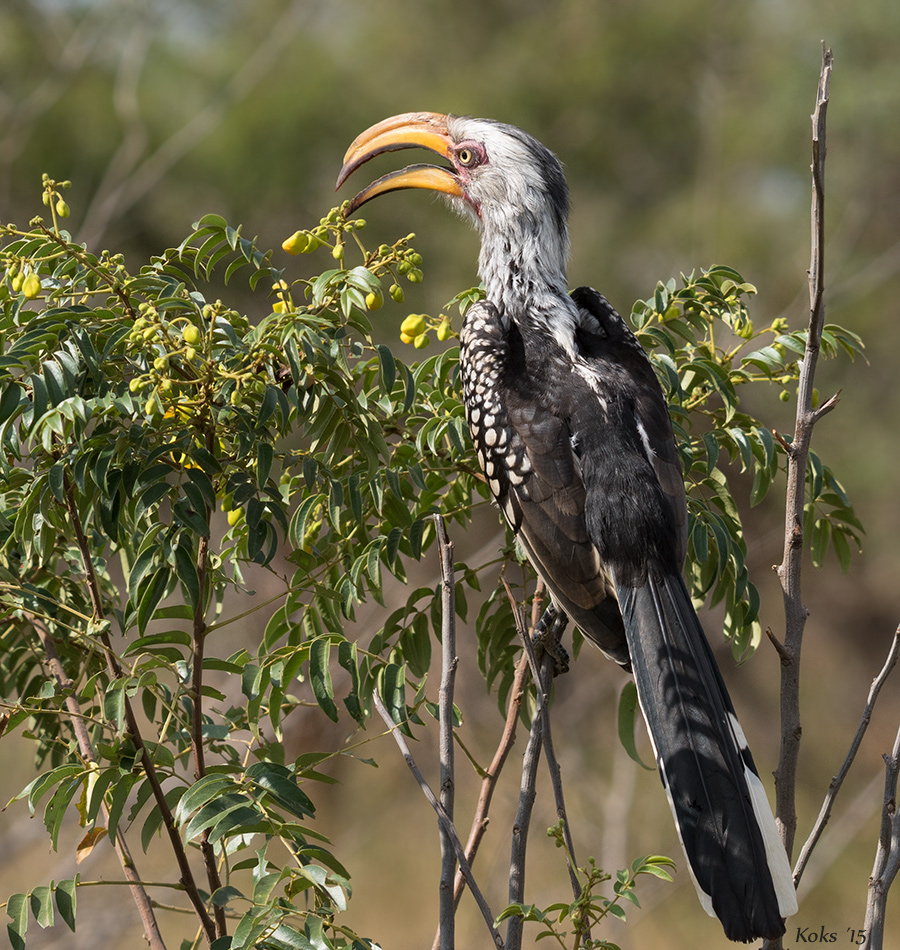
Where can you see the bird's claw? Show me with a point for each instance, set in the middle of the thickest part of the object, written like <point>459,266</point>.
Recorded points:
<point>546,639</point>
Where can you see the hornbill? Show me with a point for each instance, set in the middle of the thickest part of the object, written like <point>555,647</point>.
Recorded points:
<point>574,437</point>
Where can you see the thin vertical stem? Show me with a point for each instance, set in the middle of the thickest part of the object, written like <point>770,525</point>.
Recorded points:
<point>445,702</point>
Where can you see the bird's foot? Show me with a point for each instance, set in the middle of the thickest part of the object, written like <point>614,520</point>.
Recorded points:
<point>546,639</point>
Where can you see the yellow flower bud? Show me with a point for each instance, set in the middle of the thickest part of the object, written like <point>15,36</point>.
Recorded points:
<point>296,243</point>
<point>413,325</point>
<point>31,286</point>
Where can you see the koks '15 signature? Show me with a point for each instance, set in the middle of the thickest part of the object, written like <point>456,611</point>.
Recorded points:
<point>809,935</point>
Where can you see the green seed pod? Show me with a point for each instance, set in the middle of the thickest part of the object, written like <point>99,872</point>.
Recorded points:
<point>421,341</point>
<point>444,330</point>
<point>136,385</point>
<point>190,354</point>
<point>396,292</point>
<point>62,209</point>
<point>191,335</point>
<point>160,363</point>
<point>338,252</point>
<point>415,276</point>
<point>374,301</point>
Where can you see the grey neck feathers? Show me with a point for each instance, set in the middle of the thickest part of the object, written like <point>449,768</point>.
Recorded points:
<point>523,266</point>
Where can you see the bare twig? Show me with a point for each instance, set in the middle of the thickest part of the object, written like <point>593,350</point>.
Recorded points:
<point>447,915</point>
<point>520,827</point>
<point>443,818</point>
<point>86,748</point>
<point>789,569</point>
<point>838,780</point>
<point>544,676</point>
<point>887,855</point>
<point>480,818</point>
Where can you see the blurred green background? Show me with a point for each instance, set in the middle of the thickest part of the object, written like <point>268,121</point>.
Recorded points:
<point>684,129</point>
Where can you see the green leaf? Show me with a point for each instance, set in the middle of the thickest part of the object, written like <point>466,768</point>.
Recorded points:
<point>393,692</point>
<point>628,705</point>
<point>347,658</point>
<point>42,906</point>
<point>186,571</point>
<point>66,900</point>
<point>202,791</point>
<point>223,895</point>
<point>320,676</point>
<point>57,807</point>
<point>17,909</point>
<point>151,597</point>
<point>821,535</point>
<point>279,780</point>
<point>388,368</point>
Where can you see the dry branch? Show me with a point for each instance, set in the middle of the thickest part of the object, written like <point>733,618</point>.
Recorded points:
<point>790,568</point>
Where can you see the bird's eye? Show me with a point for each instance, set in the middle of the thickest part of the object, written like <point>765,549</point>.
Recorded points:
<point>468,157</point>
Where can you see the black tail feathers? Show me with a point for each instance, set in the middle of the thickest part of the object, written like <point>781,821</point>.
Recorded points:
<point>724,820</point>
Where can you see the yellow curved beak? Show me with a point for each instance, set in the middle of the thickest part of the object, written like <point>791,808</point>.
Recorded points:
<point>411,130</point>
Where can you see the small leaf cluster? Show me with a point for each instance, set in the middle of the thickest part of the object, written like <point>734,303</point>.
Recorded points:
<point>588,911</point>
<point>705,346</point>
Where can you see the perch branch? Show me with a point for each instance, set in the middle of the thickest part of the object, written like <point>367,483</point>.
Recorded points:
<point>480,818</point>
<point>443,818</point>
<point>539,737</point>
